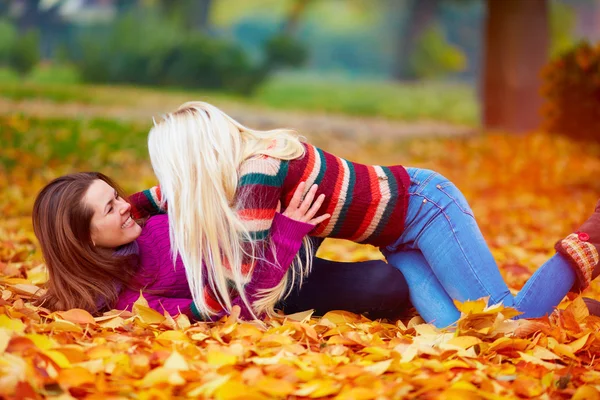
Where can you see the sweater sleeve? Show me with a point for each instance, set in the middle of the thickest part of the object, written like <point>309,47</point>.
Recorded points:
<point>286,235</point>
<point>259,190</point>
<point>147,203</point>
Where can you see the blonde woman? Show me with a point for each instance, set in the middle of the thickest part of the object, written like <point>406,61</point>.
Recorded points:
<point>224,182</point>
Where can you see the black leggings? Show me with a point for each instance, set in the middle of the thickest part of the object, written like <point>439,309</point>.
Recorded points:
<point>373,288</point>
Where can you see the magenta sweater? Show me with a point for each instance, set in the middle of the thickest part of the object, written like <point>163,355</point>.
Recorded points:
<point>157,273</point>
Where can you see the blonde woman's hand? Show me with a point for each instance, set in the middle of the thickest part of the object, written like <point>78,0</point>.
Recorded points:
<point>304,210</point>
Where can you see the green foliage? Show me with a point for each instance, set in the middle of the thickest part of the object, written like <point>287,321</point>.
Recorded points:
<point>572,93</point>
<point>134,50</point>
<point>284,51</point>
<point>8,37</point>
<point>562,22</point>
<point>202,62</point>
<point>54,74</point>
<point>26,52</point>
<point>455,103</point>
<point>434,56</point>
<point>91,144</point>
<point>404,101</point>
<point>7,75</point>
<point>147,49</point>
<point>19,52</point>
<point>17,90</point>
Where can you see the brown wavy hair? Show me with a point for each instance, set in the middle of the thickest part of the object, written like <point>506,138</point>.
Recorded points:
<point>81,275</point>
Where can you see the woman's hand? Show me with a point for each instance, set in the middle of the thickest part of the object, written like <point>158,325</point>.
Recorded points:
<point>305,210</point>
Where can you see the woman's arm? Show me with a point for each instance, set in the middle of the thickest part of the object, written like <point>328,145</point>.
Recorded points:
<point>146,203</point>
<point>286,234</point>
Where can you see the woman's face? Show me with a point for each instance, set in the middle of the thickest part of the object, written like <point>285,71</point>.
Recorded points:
<point>112,224</point>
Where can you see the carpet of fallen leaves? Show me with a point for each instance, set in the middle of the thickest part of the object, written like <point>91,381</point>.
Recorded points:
<point>526,191</point>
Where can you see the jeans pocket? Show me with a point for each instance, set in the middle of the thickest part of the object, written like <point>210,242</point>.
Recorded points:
<point>454,194</point>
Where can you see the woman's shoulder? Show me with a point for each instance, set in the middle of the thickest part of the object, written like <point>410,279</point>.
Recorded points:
<point>155,229</point>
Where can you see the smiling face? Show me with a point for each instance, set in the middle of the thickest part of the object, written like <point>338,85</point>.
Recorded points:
<point>112,225</point>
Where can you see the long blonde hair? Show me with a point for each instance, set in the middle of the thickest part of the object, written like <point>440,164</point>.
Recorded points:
<point>196,153</point>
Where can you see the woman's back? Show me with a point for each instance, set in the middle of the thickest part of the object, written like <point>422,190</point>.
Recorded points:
<point>367,203</point>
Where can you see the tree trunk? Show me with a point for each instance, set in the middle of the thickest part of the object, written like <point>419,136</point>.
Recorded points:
<point>30,18</point>
<point>420,15</point>
<point>516,49</point>
<point>290,26</point>
<point>200,15</point>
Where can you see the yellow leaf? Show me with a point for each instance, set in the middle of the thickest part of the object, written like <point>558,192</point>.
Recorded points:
<point>112,323</point>
<point>218,359</point>
<point>173,336</point>
<point>209,388</point>
<point>274,387</point>
<point>4,339</point>
<point>235,390</point>
<point>544,354</point>
<point>27,289</point>
<point>60,325</point>
<point>14,325</point>
<point>75,377</point>
<point>162,375</point>
<point>58,357</point>
<point>579,343</point>
<point>471,307</point>
<point>464,342</point>
<point>146,314</point>
<point>579,309</point>
<point>537,361</point>
<point>318,388</point>
<point>77,316</point>
<point>586,393</point>
<point>378,368</point>
<point>176,362</point>
<point>42,342</point>
<point>302,316</point>
<point>141,301</point>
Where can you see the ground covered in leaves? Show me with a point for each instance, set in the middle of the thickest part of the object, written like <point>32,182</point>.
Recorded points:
<point>526,191</point>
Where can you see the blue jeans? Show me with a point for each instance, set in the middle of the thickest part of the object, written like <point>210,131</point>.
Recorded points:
<point>444,256</point>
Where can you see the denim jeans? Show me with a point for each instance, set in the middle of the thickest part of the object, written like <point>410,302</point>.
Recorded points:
<point>444,256</point>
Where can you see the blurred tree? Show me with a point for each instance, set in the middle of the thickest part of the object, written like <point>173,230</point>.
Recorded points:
<point>419,15</point>
<point>433,56</point>
<point>516,49</point>
<point>44,18</point>
<point>193,14</point>
<point>33,16</point>
<point>290,25</point>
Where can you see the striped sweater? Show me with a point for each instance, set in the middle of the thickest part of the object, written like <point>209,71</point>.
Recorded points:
<point>367,203</point>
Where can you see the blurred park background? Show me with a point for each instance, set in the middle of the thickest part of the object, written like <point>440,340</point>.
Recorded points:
<point>501,96</point>
<point>457,61</point>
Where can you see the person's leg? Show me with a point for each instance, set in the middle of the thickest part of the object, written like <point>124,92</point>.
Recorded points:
<point>546,288</point>
<point>368,287</point>
<point>426,292</point>
<point>441,225</point>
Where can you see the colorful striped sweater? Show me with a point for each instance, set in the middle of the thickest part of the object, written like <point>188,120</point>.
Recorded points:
<point>367,203</point>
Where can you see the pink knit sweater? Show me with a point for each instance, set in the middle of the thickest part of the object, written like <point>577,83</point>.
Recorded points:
<point>157,272</point>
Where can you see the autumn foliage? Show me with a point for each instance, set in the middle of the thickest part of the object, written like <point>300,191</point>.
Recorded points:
<point>526,191</point>
<point>572,93</point>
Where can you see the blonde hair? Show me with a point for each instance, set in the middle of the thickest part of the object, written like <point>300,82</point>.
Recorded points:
<point>196,153</point>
